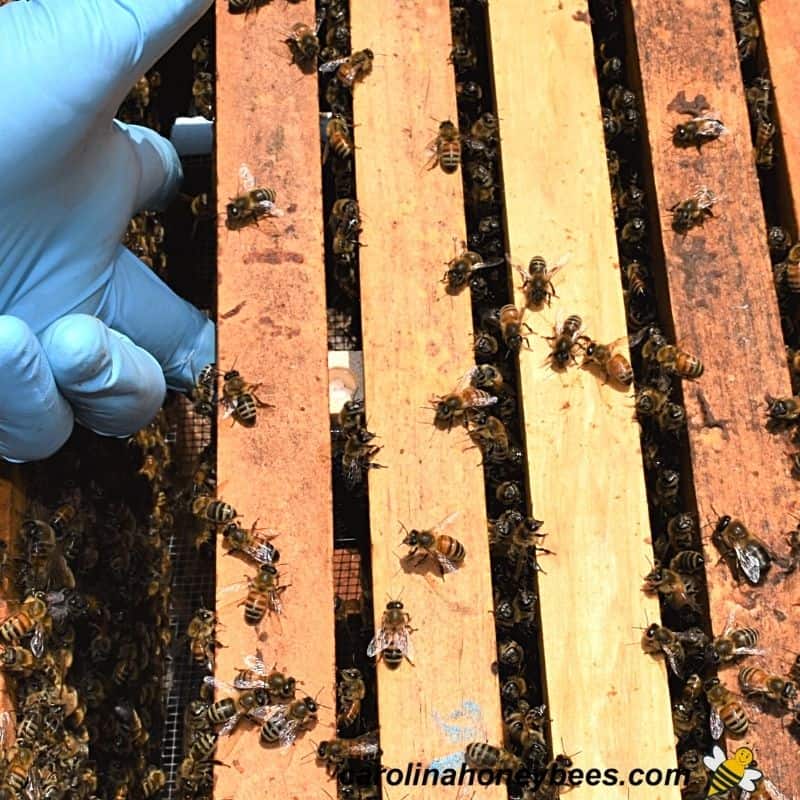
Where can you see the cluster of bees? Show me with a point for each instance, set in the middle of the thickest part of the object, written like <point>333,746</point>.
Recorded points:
<point>203,79</point>
<point>86,645</point>
<point>139,105</point>
<point>144,237</point>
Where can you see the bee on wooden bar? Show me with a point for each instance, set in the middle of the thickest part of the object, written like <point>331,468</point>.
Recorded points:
<point>697,131</point>
<point>338,138</point>
<point>335,753</point>
<point>727,713</point>
<point>256,545</point>
<point>537,284</point>
<point>487,376</point>
<point>351,69</point>
<point>613,365</point>
<point>445,149</point>
<point>240,399</point>
<point>460,268</point>
<point>564,341</point>
<point>758,683</point>
<point>480,755</point>
<point>392,643</point>
<point>264,594</point>
<point>255,204</point>
<point>303,43</point>
<point>783,409</point>
<point>677,361</point>
<point>659,639</point>
<point>743,551</point>
<point>202,639</point>
<point>281,687</point>
<point>281,724</point>
<point>693,212</point>
<point>245,6</point>
<point>436,545</point>
<point>351,691</point>
<point>461,402</point>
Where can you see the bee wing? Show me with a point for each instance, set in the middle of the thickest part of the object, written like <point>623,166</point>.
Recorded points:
<point>289,733</point>
<point>6,729</point>
<point>256,663</point>
<point>675,661</point>
<point>275,603</point>
<point>262,553</point>
<point>246,179</point>
<point>749,564</point>
<point>271,209</point>
<point>233,587</point>
<point>716,724</point>
<point>715,759</point>
<point>560,264</point>
<point>636,339</point>
<point>445,563</point>
<point>483,399</point>
<point>263,713</point>
<point>331,66</point>
<point>228,728</point>
<point>366,746</point>
<point>466,379</point>
<point>378,644</point>
<point>748,651</point>
<point>446,523</point>
<point>402,641</point>
<point>37,641</point>
<point>494,262</point>
<point>219,684</point>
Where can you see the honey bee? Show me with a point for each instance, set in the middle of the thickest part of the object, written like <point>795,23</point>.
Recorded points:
<point>682,531</point>
<point>240,399</point>
<point>17,772</point>
<point>735,642</point>
<point>257,546</point>
<point>666,489</point>
<point>659,639</point>
<point>17,659</point>
<point>458,405</point>
<point>203,94</point>
<point>350,69</point>
<point>485,345</point>
<point>693,212</point>
<point>743,551</point>
<point>335,753</point>
<point>484,129</point>
<point>492,438</point>
<point>649,402</point>
<point>511,654</point>
<point>281,687</point>
<point>679,362</point>
<point>613,365</point>
<point>671,417</point>
<point>445,149</point>
<point>351,691</point>
<point>783,409</point>
<point>303,43</point>
<point>677,590</point>
<point>337,138</point>
<point>201,54</point>
<point>245,6</point>
<point>202,639</point>
<point>757,682</point>
<point>634,232</point>
<point>564,342</point>
<point>204,393</point>
<point>537,284</point>
<point>460,268</point>
<point>153,782</point>
<point>481,755</point>
<point>697,131</point>
<point>524,726</point>
<point>447,552</point>
<point>217,512</point>
<point>282,723</point>
<point>779,241</point>
<point>357,456</point>
<point>470,93</point>
<point>487,376</point>
<point>695,783</point>
<point>31,618</point>
<point>550,787</point>
<point>758,96</point>
<point>511,326</point>
<point>393,640</point>
<point>240,703</point>
<point>253,205</point>
<point>687,561</point>
<point>264,595</point>
<point>727,713</point>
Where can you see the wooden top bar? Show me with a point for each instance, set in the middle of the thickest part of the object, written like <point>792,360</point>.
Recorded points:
<point>417,343</point>
<point>725,312</point>
<point>279,471</point>
<point>606,698</point>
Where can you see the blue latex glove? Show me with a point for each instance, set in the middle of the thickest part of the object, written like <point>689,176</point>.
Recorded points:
<point>87,332</point>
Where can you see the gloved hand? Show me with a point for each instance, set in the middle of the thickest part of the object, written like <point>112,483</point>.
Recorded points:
<point>87,332</point>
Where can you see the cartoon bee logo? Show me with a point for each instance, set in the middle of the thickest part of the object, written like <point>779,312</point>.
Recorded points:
<point>731,772</point>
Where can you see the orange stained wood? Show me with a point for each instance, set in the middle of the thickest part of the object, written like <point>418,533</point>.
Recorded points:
<point>725,311</point>
<point>277,473</point>
<point>606,698</point>
<point>417,343</point>
<point>12,508</point>
<point>781,33</point>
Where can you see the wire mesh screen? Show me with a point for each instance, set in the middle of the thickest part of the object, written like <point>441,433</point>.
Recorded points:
<point>347,574</point>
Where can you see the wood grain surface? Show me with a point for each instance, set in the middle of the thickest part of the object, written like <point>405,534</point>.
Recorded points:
<point>279,471</point>
<point>417,344</point>
<point>725,311</point>
<point>606,698</point>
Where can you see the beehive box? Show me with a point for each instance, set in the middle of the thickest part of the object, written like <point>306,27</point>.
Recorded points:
<point>712,289</point>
